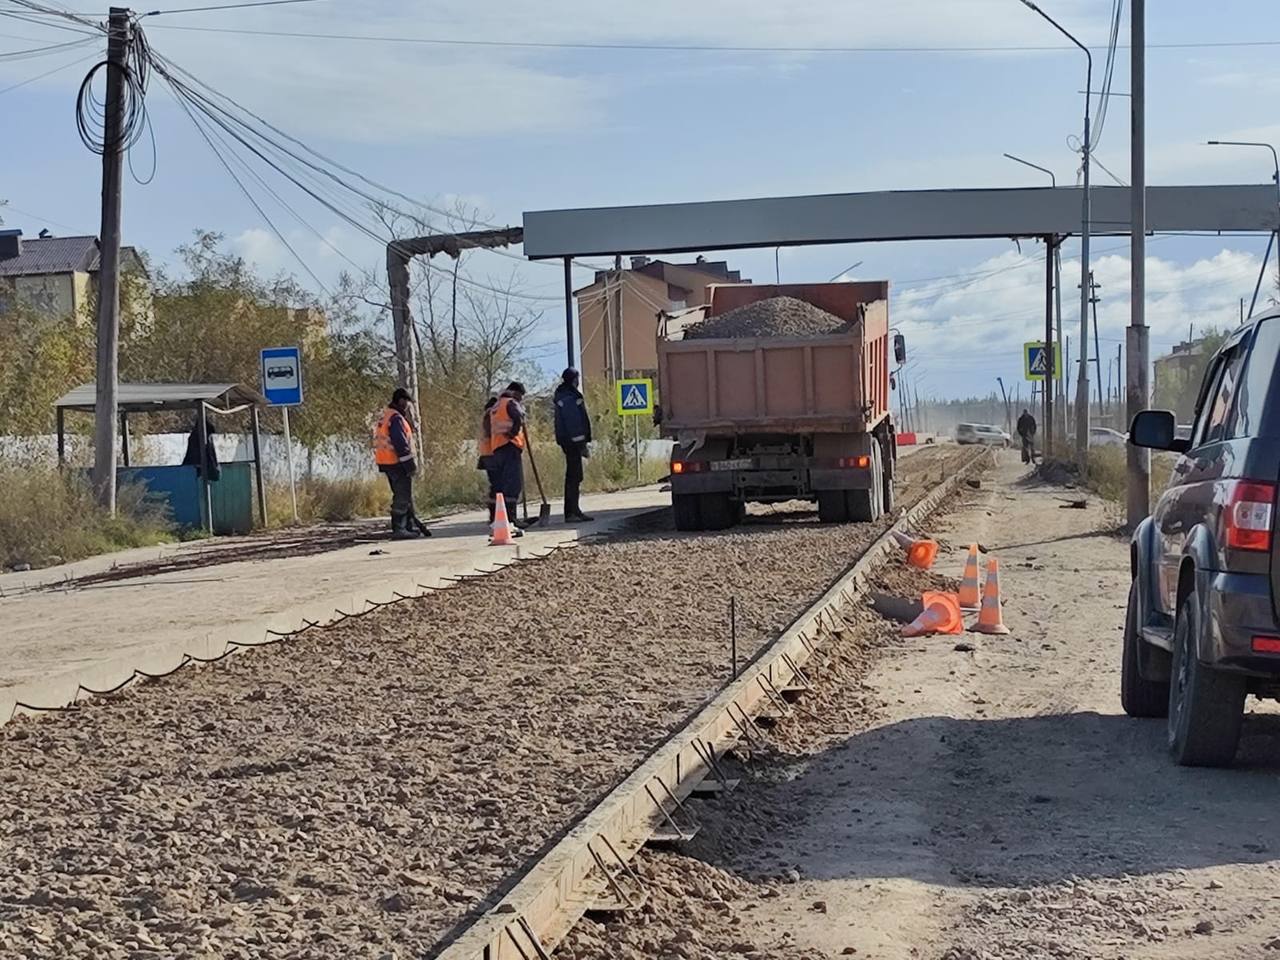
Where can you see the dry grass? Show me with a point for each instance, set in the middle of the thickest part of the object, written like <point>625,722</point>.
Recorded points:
<point>48,517</point>
<point>1108,472</point>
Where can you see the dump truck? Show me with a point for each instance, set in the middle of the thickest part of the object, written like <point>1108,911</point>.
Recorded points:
<point>794,411</point>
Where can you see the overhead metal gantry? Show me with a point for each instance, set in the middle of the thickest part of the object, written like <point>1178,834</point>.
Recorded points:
<point>1047,213</point>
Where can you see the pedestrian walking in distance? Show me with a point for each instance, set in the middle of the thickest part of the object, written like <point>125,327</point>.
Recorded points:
<point>1027,431</point>
<point>573,434</point>
<point>506,434</point>
<point>393,451</point>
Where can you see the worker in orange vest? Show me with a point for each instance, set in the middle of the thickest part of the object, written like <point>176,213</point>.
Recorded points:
<point>484,451</point>
<point>506,435</point>
<point>394,454</point>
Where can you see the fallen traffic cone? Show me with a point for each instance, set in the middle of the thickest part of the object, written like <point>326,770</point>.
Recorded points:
<point>920,553</point>
<point>941,614</point>
<point>969,596</point>
<point>990,619</point>
<point>500,535</point>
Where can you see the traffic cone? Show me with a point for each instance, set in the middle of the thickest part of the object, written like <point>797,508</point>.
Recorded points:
<point>500,535</point>
<point>970,597</point>
<point>941,614</point>
<point>920,552</point>
<point>990,619</point>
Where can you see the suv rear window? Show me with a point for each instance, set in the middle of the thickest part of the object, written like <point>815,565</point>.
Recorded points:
<point>1263,359</point>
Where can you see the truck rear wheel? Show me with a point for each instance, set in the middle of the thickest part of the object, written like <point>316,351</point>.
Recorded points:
<point>719,512</point>
<point>832,507</point>
<point>866,506</point>
<point>685,508</point>
<point>887,498</point>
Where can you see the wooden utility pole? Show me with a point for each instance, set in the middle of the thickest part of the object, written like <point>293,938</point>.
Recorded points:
<point>105,423</point>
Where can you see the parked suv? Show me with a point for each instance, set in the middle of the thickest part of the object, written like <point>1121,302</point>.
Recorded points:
<point>982,433</point>
<point>1202,630</point>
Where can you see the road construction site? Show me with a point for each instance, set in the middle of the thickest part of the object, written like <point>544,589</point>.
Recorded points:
<point>394,784</point>
<point>373,786</point>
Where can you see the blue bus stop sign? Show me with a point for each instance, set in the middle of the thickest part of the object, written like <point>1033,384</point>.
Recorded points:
<point>282,376</point>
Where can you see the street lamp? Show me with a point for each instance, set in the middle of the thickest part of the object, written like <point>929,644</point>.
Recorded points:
<point>1082,382</point>
<point>1059,376</point>
<point>1275,161</point>
<point>1053,181</point>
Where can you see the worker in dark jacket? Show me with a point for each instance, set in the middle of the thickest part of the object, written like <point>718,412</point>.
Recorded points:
<point>192,459</point>
<point>394,454</point>
<point>1027,431</point>
<point>573,433</point>
<point>506,438</point>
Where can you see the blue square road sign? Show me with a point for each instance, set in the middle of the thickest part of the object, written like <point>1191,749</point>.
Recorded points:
<point>282,376</point>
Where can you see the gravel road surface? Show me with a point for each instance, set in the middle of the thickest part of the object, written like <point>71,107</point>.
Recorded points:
<point>990,803</point>
<point>363,790</point>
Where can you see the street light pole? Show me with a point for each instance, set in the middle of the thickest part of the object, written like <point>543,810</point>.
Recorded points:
<point>1053,397</point>
<point>1275,161</point>
<point>1082,382</point>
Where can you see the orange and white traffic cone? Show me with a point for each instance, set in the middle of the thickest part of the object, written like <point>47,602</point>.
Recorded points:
<point>990,619</point>
<point>920,552</point>
<point>941,614</point>
<point>970,596</point>
<point>500,534</point>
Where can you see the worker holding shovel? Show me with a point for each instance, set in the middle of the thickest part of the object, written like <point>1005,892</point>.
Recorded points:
<point>506,435</point>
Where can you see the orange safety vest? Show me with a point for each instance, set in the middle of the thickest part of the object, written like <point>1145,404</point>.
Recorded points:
<point>484,440</point>
<point>500,424</point>
<point>384,453</point>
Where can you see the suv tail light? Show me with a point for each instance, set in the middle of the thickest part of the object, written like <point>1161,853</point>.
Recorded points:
<point>1250,508</point>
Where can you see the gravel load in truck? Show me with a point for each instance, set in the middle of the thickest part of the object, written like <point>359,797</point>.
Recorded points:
<point>774,317</point>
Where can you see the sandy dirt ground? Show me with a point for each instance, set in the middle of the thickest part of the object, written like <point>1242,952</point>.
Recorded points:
<point>984,803</point>
<point>363,789</point>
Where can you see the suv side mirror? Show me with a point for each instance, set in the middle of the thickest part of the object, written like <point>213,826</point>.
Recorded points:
<point>899,348</point>
<point>1156,429</point>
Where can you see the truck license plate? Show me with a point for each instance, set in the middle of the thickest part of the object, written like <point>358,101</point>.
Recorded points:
<point>744,464</point>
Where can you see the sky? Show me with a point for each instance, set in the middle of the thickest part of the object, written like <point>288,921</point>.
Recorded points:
<point>504,125</point>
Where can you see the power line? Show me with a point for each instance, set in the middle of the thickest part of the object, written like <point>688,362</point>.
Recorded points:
<point>226,6</point>
<point>32,53</point>
<point>699,48</point>
<point>48,73</point>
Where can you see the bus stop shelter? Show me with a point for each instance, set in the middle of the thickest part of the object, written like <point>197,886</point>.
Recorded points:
<point>185,488</point>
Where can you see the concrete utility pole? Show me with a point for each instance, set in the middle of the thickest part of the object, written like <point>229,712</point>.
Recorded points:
<point>1094,287</point>
<point>105,414</point>
<point>1137,337</point>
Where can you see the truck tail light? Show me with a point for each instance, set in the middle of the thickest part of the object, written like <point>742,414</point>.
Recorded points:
<point>1250,508</point>
<point>686,466</point>
<point>854,462</point>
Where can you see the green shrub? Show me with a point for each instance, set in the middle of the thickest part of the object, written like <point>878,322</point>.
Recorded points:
<point>49,516</point>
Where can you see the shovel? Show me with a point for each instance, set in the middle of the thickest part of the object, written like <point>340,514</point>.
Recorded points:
<point>544,510</point>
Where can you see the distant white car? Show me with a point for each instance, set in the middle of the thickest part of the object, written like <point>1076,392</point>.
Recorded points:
<point>981,433</point>
<point>1106,437</point>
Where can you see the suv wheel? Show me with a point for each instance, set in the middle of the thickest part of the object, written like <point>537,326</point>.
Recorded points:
<point>1206,706</point>
<point>1139,697</point>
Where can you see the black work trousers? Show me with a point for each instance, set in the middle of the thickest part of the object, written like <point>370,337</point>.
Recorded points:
<point>506,473</point>
<point>401,481</point>
<point>572,479</point>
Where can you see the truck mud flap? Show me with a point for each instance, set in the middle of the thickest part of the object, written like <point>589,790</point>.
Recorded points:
<point>845,479</point>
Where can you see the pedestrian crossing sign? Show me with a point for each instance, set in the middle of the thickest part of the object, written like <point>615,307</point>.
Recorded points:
<point>635,397</point>
<point>1036,360</point>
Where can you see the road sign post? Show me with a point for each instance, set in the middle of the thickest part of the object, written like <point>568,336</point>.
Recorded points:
<point>282,386</point>
<point>634,399</point>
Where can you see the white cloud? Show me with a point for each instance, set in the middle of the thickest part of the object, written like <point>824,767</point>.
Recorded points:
<point>965,332</point>
<point>393,91</point>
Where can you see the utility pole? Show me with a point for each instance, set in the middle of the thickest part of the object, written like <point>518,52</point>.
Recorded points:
<point>1094,287</point>
<point>1051,367</point>
<point>1137,336</point>
<point>105,422</point>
